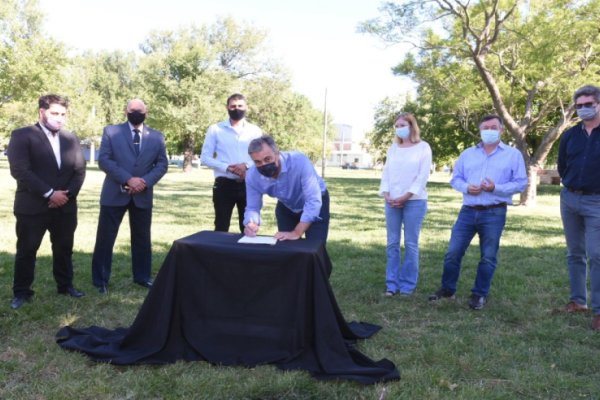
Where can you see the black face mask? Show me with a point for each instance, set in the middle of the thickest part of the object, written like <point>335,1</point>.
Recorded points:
<point>268,170</point>
<point>236,114</point>
<point>136,117</point>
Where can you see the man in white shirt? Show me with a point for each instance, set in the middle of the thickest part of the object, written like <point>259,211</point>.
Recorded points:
<point>225,150</point>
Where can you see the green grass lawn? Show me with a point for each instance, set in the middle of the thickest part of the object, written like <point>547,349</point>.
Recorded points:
<point>517,347</point>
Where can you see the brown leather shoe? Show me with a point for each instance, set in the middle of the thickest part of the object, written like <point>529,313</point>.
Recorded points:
<point>573,307</point>
<point>596,323</point>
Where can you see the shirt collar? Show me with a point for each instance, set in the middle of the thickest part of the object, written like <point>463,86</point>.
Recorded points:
<point>242,124</point>
<point>501,145</point>
<point>283,161</point>
<point>131,127</point>
<point>46,130</point>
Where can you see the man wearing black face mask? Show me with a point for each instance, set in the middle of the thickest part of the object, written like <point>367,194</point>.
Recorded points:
<point>134,158</point>
<point>579,169</point>
<point>225,150</point>
<point>302,197</point>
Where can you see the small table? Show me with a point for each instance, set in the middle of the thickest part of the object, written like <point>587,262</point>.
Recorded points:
<point>240,304</point>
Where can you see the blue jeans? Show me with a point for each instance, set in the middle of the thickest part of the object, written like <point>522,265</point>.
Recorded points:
<point>581,222</point>
<point>488,224</point>
<point>402,276</point>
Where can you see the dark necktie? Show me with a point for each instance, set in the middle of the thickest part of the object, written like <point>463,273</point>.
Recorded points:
<point>136,141</point>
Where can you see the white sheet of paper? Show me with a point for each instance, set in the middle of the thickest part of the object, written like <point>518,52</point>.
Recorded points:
<point>258,240</point>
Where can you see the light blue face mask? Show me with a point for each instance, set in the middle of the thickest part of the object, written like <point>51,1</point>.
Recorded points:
<point>403,132</point>
<point>490,136</point>
<point>587,113</point>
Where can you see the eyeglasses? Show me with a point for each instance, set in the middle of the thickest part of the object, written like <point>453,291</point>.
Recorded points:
<point>585,105</point>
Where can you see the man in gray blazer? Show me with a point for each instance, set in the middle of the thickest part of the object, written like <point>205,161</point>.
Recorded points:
<point>134,158</point>
<point>48,165</point>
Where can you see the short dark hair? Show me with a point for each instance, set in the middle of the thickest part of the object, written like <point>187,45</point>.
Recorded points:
<point>257,144</point>
<point>49,99</point>
<point>235,96</point>
<point>587,90</point>
<point>488,117</point>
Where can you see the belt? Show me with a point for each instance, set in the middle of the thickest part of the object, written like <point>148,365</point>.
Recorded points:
<point>228,180</point>
<point>482,207</point>
<point>582,192</point>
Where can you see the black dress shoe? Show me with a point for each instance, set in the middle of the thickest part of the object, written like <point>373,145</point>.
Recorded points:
<point>103,290</point>
<point>17,302</point>
<point>71,291</point>
<point>147,284</point>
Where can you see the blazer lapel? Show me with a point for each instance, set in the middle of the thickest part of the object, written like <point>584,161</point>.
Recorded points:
<point>44,139</point>
<point>66,151</point>
<point>146,139</point>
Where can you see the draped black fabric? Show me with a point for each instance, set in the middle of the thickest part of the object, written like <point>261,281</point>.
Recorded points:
<point>240,304</point>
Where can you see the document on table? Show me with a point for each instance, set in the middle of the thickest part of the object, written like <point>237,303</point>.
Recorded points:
<point>258,240</point>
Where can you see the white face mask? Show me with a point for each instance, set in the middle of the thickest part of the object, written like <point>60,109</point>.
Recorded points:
<point>54,124</point>
<point>403,132</point>
<point>490,136</point>
<point>587,113</point>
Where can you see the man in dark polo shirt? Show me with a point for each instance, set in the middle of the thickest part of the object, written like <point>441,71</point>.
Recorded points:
<point>579,169</point>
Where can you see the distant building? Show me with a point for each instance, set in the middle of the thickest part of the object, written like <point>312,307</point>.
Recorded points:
<point>347,151</point>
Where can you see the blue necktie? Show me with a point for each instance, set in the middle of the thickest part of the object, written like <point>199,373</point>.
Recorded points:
<point>136,141</point>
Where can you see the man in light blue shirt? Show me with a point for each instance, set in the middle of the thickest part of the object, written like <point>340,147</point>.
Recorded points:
<point>225,150</point>
<point>487,175</point>
<point>302,197</point>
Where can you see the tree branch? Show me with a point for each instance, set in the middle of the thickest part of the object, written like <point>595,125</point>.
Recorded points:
<point>508,71</point>
<point>552,135</point>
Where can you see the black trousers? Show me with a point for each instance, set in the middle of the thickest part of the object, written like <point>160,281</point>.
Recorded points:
<point>287,220</point>
<point>228,193</point>
<point>140,221</point>
<point>30,231</point>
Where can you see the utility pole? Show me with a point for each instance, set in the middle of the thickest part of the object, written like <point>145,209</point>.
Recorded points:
<point>324,136</point>
<point>92,144</point>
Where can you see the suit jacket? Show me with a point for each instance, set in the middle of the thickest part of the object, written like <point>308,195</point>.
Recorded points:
<point>118,159</point>
<point>33,165</point>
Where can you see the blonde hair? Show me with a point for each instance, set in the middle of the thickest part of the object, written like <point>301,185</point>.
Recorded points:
<point>415,132</point>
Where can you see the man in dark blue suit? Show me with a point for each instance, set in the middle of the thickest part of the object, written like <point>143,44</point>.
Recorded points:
<point>134,158</point>
<point>48,165</point>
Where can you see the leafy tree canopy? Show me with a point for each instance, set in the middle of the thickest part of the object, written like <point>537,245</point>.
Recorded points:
<point>184,76</point>
<point>521,60</point>
<point>30,63</point>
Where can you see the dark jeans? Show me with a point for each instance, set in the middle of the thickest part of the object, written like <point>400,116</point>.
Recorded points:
<point>228,193</point>
<point>581,221</point>
<point>488,224</point>
<point>30,231</point>
<point>140,220</point>
<point>287,220</point>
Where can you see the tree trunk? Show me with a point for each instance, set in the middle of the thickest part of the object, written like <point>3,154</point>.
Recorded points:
<point>529,195</point>
<point>188,153</point>
<point>188,156</point>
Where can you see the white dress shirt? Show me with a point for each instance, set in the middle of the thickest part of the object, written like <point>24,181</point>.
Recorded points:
<point>54,140</point>
<point>225,145</point>
<point>141,129</point>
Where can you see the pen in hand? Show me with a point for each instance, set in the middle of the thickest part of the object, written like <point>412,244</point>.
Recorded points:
<point>251,229</point>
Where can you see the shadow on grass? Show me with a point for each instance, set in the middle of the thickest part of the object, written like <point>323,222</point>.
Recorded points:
<point>529,282</point>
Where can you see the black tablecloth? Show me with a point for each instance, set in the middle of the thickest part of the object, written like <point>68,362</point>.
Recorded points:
<point>240,304</point>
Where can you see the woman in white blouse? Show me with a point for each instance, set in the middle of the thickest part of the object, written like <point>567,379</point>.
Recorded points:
<point>403,185</point>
